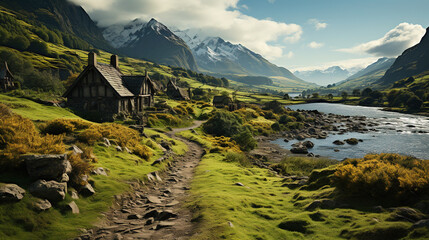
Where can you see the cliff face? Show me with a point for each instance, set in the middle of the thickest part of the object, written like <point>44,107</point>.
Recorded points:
<point>413,61</point>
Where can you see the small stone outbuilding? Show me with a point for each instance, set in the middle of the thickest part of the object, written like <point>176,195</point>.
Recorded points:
<point>177,93</point>
<point>226,102</point>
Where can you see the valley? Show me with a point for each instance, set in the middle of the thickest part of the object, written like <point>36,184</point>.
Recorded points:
<point>160,120</point>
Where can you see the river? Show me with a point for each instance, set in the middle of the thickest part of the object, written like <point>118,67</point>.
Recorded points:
<point>397,133</point>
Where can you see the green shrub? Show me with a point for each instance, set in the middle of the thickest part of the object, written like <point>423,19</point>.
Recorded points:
<point>223,123</point>
<point>245,140</point>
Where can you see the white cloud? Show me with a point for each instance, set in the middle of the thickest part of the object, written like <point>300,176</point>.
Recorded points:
<point>290,54</point>
<point>213,18</point>
<point>315,45</point>
<point>317,24</point>
<point>393,43</point>
<point>349,64</point>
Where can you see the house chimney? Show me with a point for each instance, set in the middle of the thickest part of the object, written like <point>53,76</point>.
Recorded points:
<point>114,61</point>
<point>92,59</point>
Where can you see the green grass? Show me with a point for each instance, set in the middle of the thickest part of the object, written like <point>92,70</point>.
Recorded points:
<point>20,221</point>
<point>223,210</point>
<point>33,110</point>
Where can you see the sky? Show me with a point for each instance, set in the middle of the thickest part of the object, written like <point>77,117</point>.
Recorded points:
<point>296,34</point>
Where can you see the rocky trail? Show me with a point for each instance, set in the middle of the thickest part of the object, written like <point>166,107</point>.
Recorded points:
<point>156,210</point>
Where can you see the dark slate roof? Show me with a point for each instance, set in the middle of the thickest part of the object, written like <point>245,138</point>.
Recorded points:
<point>133,83</point>
<point>114,77</point>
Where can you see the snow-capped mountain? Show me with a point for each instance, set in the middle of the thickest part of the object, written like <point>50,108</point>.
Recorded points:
<point>152,41</point>
<point>217,55</point>
<point>324,77</point>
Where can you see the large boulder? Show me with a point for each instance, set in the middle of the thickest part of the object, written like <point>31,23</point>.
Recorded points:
<point>51,190</point>
<point>299,150</point>
<point>87,190</point>
<point>338,142</point>
<point>352,141</point>
<point>11,193</point>
<point>308,144</point>
<point>47,167</point>
<point>41,204</point>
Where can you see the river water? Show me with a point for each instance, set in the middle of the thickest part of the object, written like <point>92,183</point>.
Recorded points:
<point>397,133</point>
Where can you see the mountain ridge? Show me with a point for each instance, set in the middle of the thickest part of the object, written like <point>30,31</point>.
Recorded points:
<point>152,41</point>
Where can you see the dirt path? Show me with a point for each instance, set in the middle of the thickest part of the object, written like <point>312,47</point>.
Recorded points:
<point>157,211</point>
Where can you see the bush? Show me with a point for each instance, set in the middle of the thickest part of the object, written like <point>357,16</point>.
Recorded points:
<point>276,127</point>
<point>143,152</point>
<point>80,167</point>
<point>384,176</point>
<point>90,136</point>
<point>245,140</point>
<point>284,119</point>
<point>19,136</point>
<point>60,126</point>
<point>223,123</point>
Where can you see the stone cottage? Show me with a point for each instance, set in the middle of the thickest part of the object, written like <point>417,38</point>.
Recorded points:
<point>7,81</point>
<point>226,102</point>
<point>177,93</point>
<point>102,91</point>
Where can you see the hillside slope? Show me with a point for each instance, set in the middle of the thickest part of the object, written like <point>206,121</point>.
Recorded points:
<point>413,61</point>
<point>151,41</point>
<point>61,15</point>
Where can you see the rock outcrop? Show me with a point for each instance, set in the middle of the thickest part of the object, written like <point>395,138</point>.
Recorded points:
<point>51,190</point>
<point>11,193</point>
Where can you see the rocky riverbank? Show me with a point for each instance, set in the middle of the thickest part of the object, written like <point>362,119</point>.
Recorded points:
<point>319,127</point>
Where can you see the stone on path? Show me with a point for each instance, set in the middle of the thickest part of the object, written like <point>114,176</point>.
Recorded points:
<point>134,216</point>
<point>153,199</point>
<point>164,224</point>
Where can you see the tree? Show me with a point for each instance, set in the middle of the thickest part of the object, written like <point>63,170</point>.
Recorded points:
<point>356,92</point>
<point>19,43</point>
<point>330,96</point>
<point>39,47</point>
<point>366,92</point>
<point>286,96</point>
<point>315,95</point>
<point>344,95</point>
<point>414,103</point>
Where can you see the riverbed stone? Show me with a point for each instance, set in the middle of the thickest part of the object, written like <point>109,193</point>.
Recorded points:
<point>338,142</point>
<point>352,141</point>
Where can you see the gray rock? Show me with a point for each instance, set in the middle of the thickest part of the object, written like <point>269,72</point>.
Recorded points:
<point>87,190</point>
<point>308,144</point>
<point>338,142</point>
<point>166,145</point>
<point>166,214</point>
<point>99,171</point>
<point>164,224</point>
<point>51,190</point>
<point>153,199</point>
<point>74,194</point>
<point>117,236</point>
<point>421,223</point>
<point>73,208</point>
<point>149,221</point>
<point>118,148</point>
<point>106,142</point>
<point>65,178</point>
<point>76,150</point>
<point>134,216</point>
<point>47,167</point>
<point>300,137</point>
<point>128,150</point>
<point>239,184</point>
<point>11,193</point>
<point>405,214</point>
<point>42,204</point>
<point>352,141</point>
<point>299,150</point>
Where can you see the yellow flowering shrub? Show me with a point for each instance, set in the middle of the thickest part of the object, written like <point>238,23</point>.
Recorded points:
<point>383,175</point>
